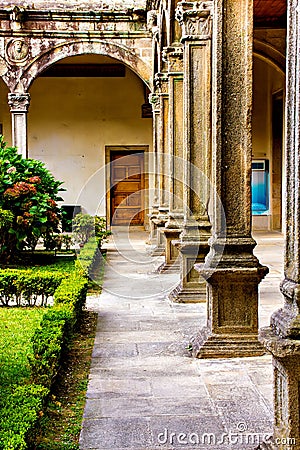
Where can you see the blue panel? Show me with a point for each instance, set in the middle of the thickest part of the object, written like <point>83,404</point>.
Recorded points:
<point>260,190</point>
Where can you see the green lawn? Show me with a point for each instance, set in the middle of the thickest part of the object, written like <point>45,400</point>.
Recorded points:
<point>17,325</point>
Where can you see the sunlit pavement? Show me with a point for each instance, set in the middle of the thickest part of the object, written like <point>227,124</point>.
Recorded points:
<point>145,391</point>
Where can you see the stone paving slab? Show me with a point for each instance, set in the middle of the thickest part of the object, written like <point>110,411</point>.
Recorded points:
<point>145,392</point>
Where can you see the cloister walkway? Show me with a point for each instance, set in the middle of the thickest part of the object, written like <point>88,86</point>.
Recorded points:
<point>145,391</point>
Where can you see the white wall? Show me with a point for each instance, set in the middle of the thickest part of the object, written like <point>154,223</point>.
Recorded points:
<point>70,122</point>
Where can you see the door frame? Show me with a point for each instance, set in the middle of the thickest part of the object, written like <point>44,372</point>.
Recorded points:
<point>109,149</point>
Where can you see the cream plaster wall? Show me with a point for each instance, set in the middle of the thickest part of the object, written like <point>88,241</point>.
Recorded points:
<point>267,81</point>
<point>5,119</point>
<point>72,120</point>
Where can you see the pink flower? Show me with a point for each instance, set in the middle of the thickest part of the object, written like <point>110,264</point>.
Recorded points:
<point>11,170</point>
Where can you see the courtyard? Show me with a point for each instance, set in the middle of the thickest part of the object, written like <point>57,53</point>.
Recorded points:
<point>145,390</point>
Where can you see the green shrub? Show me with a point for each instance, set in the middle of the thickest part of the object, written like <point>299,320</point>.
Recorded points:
<point>83,227</point>
<point>21,409</point>
<point>20,412</point>
<point>72,292</point>
<point>101,233</point>
<point>86,227</point>
<point>51,338</point>
<point>27,286</point>
<point>88,256</point>
<point>49,343</point>
<point>30,192</point>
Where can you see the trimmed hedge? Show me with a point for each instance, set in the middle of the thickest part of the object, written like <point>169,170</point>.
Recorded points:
<point>20,414</point>
<point>88,256</point>
<point>26,287</point>
<point>23,407</point>
<point>52,337</point>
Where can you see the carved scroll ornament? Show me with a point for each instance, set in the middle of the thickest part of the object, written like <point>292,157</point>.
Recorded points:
<point>195,19</point>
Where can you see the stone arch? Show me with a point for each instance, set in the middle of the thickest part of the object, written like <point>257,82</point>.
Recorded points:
<point>81,47</point>
<point>270,54</point>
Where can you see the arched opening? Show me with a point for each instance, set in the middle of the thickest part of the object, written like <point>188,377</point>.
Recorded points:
<point>81,106</point>
<point>268,147</point>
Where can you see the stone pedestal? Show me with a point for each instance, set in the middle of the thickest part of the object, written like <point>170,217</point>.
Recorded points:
<point>232,312</point>
<point>19,104</point>
<point>282,339</point>
<point>232,272</point>
<point>159,223</point>
<point>172,262</point>
<point>286,364</point>
<point>192,287</point>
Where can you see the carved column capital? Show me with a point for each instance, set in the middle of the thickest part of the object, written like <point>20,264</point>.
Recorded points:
<point>154,101</point>
<point>173,56</point>
<point>152,21</point>
<point>161,82</point>
<point>19,102</point>
<point>195,19</point>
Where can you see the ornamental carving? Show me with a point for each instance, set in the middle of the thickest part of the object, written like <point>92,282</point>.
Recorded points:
<point>195,19</point>
<point>17,51</point>
<point>161,81</point>
<point>152,20</point>
<point>154,101</point>
<point>19,102</point>
<point>173,56</point>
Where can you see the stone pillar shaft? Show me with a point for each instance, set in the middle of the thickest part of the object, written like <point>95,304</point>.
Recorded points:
<point>161,125</point>
<point>174,58</point>
<point>174,55</point>
<point>154,100</point>
<point>163,139</point>
<point>232,271</point>
<point>19,104</point>
<point>195,20</point>
<point>282,338</point>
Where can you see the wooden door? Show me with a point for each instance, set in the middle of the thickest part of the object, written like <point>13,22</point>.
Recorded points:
<point>127,188</point>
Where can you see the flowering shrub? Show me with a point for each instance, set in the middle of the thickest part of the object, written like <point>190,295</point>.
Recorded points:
<point>30,192</point>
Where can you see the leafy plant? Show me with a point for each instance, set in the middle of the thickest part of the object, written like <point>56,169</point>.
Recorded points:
<point>30,192</point>
<point>83,227</point>
<point>101,232</point>
<point>86,226</point>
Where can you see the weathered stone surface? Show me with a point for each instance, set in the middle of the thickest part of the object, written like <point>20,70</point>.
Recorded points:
<point>160,387</point>
<point>19,104</point>
<point>95,5</point>
<point>282,338</point>
<point>232,271</point>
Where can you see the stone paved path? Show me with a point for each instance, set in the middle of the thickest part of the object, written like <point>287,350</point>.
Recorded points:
<point>144,391</point>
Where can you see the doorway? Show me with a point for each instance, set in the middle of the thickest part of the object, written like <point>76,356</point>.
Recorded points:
<point>126,181</point>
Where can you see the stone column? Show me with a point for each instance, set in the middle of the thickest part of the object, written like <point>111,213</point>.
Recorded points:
<point>195,20</point>
<point>154,101</point>
<point>282,338</point>
<point>161,88</point>
<point>19,104</point>
<point>173,227</point>
<point>232,271</point>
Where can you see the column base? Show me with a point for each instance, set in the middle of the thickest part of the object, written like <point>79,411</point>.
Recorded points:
<point>164,267</point>
<point>192,287</point>
<point>189,294</point>
<point>172,263</point>
<point>208,345</point>
<point>159,249</point>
